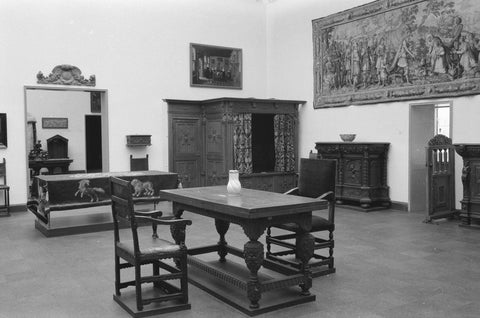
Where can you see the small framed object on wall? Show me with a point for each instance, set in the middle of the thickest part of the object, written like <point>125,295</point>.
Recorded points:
<point>3,130</point>
<point>54,123</point>
<point>139,140</point>
<point>215,66</point>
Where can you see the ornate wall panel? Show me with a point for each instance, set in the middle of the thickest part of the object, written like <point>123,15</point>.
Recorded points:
<point>391,50</point>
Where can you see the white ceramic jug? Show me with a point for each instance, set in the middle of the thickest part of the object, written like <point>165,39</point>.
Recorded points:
<point>234,186</point>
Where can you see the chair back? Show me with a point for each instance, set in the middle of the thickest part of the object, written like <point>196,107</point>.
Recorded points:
<point>122,208</point>
<point>3,172</point>
<point>317,177</point>
<point>138,164</point>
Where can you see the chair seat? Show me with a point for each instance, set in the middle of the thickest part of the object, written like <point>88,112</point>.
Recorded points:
<point>318,224</point>
<point>4,187</point>
<point>150,248</point>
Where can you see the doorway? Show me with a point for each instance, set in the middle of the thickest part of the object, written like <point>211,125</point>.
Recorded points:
<point>93,143</point>
<point>426,121</point>
<point>66,107</point>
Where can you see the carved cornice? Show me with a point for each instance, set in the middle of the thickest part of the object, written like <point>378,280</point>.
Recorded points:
<point>468,150</point>
<point>440,140</point>
<point>374,148</point>
<point>66,75</point>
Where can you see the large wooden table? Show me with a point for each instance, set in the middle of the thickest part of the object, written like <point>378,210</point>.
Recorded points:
<point>254,211</point>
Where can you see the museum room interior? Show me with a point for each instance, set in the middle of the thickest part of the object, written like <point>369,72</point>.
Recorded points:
<point>175,95</point>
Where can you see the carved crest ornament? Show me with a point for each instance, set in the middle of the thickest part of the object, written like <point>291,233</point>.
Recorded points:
<point>393,50</point>
<point>66,75</point>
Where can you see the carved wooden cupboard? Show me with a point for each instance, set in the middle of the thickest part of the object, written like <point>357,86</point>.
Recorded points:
<point>258,137</point>
<point>361,173</point>
<point>470,212</point>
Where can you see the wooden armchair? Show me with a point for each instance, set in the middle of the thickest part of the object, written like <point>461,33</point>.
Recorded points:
<point>316,180</point>
<point>136,252</point>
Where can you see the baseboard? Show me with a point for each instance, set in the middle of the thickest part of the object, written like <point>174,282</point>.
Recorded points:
<point>18,208</point>
<point>400,206</point>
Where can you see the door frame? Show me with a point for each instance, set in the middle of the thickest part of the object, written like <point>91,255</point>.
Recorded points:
<point>412,106</point>
<point>104,115</point>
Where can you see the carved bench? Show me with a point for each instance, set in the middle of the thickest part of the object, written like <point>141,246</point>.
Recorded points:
<point>84,190</point>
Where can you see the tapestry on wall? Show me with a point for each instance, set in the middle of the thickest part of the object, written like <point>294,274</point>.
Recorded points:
<point>391,50</point>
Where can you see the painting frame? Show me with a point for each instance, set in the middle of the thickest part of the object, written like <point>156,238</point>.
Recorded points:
<point>215,66</point>
<point>54,123</point>
<point>3,130</point>
<point>421,41</point>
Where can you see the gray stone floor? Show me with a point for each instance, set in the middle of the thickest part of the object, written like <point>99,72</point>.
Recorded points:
<point>389,264</point>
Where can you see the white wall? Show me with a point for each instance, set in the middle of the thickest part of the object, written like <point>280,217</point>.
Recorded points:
<point>138,50</point>
<point>290,75</point>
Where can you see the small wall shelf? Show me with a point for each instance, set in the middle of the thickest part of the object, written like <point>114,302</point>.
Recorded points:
<point>139,140</point>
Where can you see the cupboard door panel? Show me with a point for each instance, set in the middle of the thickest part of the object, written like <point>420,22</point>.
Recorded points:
<point>187,137</point>
<point>215,173</point>
<point>187,151</point>
<point>188,173</point>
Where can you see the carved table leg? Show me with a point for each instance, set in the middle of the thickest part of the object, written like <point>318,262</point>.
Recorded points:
<point>222,228</point>
<point>253,255</point>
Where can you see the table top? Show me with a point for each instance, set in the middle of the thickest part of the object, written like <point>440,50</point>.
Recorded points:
<point>251,204</point>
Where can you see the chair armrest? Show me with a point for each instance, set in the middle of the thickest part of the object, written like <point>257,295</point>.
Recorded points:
<point>329,196</point>
<point>151,213</point>
<point>177,227</point>
<point>293,191</point>
<point>169,220</point>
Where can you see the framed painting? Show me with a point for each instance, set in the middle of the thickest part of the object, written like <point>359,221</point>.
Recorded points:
<point>54,123</point>
<point>392,50</point>
<point>3,130</point>
<point>215,66</point>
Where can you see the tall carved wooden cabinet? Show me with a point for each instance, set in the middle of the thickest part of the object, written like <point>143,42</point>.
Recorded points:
<point>258,137</point>
<point>470,212</point>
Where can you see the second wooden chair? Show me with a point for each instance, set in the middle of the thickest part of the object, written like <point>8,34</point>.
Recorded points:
<point>316,180</point>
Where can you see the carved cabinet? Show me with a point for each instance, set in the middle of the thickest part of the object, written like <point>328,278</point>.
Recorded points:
<point>204,133</point>
<point>470,203</point>
<point>361,173</point>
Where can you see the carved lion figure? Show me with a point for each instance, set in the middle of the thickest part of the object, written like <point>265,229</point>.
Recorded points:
<point>142,188</point>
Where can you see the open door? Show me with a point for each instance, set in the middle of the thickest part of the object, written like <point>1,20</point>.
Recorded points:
<point>422,128</point>
<point>93,140</point>
<point>440,156</point>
